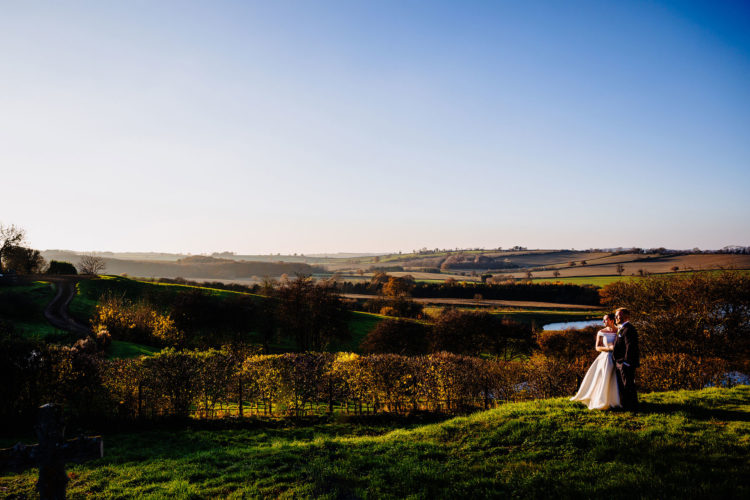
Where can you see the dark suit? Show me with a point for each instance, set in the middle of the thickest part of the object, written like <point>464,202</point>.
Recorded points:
<point>627,358</point>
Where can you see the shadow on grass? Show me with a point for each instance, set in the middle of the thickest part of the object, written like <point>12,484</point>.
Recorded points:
<point>693,411</point>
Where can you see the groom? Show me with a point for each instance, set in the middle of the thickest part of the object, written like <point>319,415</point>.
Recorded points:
<point>627,358</point>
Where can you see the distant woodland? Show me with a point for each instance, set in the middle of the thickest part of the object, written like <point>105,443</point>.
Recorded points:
<point>198,266</point>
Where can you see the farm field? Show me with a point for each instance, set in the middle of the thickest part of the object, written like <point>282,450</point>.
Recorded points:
<point>683,444</point>
<point>649,264</point>
<point>482,302</point>
<point>601,281</point>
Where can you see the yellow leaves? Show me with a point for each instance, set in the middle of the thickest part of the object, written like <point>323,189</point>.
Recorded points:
<point>137,322</point>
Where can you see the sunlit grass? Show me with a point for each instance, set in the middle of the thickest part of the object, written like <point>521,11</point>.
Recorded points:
<point>121,349</point>
<point>684,444</point>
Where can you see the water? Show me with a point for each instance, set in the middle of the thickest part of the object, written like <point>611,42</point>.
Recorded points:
<point>567,325</point>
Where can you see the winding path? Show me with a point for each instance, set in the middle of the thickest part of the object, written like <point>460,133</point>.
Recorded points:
<point>56,311</point>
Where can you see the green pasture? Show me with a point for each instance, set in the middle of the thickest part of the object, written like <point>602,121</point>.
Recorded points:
<point>121,349</point>
<point>684,444</point>
<point>601,281</point>
<point>27,316</point>
<point>90,291</point>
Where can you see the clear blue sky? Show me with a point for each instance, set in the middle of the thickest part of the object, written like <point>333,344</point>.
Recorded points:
<point>303,126</point>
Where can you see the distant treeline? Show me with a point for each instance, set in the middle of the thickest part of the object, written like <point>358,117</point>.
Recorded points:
<point>200,266</point>
<point>537,292</point>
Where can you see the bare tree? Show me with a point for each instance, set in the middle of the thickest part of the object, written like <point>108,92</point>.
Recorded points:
<point>10,236</point>
<point>91,264</point>
<point>620,268</point>
<point>556,273</point>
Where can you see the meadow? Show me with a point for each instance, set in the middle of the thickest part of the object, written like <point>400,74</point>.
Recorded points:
<point>682,444</point>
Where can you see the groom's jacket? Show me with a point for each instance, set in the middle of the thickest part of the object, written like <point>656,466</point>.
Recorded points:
<point>626,349</point>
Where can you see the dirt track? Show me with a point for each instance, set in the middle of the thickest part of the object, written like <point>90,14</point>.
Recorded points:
<point>56,311</point>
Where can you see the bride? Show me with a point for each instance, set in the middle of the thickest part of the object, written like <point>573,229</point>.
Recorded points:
<point>599,387</point>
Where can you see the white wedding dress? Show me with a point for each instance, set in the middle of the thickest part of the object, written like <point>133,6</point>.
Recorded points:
<point>599,387</point>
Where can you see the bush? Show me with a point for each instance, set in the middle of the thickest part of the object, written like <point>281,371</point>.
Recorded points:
<point>570,344</point>
<point>477,332</point>
<point>702,314</point>
<point>396,336</point>
<point>549,377</point>
<point>463,332</point>
<point>673,371</point>
<point>135,322</point>
<point>59,267</point>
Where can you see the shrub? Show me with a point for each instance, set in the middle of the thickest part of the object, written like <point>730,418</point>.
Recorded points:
<point>570,344</point>
<point>59,267</point>
<point>135,322</point>
<point>673,371</point>
<point>549,377</point>
<point>396,336</point>
<point>173,375</point>
<point>702,314</point>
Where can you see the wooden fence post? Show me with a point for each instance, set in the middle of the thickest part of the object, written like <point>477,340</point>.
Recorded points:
<point>241,402</point>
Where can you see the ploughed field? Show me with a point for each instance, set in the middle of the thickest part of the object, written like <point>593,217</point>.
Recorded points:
<point>684,444</point>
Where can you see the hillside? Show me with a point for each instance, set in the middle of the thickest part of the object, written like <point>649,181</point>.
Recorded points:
<point>193,267</point>
<point>686,444</point>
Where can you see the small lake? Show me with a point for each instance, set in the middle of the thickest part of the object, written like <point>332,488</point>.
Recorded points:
<point>567,325</point>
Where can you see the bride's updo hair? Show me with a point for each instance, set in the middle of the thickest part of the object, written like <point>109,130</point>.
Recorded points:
<point>610,316</point>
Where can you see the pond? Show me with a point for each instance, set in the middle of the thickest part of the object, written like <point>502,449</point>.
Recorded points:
<point>567,325</point>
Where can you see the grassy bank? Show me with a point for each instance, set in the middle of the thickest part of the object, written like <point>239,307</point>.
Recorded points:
<point>23,306</point>
<point>683,444</point>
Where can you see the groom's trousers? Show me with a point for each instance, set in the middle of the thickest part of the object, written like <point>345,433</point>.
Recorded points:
<point>626,384</point>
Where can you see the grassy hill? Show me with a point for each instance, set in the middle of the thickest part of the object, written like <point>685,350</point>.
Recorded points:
<point>686,444</point>
<point>90,291</point>
<point>23,306</point>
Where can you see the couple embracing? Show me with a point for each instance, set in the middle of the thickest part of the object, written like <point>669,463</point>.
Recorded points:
<point>610,382</point>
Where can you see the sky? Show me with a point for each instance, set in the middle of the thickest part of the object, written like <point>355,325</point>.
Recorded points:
<point>353,126</point>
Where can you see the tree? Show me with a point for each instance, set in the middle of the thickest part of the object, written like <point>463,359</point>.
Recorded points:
<point>10,236</point>
<point>702,314</point>
<point>398,336</point>
<point>556,273</point>
<point>675,269</point>
<point>620,268</point>
<point>398,287</point>
<point>312,314</point>
<point>59,267</point>
<point>91,264</point>
<point>24,260</point>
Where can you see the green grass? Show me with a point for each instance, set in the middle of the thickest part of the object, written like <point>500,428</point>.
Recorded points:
<point>121,349</point>
<point>90,291</point>
<point>606,280</point>
<point>360,324</point>
<point>31,321</point>
<point>585,280</point>
<point>686,444</point>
